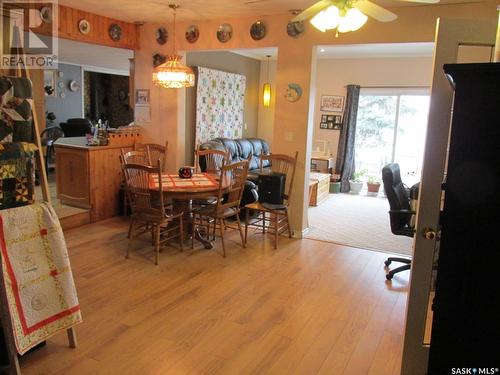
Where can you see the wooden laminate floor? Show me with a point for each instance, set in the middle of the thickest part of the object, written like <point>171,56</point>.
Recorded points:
<point>307,308</point>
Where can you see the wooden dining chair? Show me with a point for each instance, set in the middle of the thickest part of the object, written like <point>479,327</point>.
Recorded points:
<point>157,152</point>
<point>148,210</point>
<point>276,219</point>
<point>154,152</point>
<point>135,157</point>
<point>231,184</point>
<point>210,161</point>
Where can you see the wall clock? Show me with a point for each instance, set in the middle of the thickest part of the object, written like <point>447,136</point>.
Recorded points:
<point>115,32</point>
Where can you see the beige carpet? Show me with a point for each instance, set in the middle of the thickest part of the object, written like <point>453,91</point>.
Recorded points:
<point>358,221</point>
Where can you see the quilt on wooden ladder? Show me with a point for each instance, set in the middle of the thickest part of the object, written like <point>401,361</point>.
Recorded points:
<point>37,274</point>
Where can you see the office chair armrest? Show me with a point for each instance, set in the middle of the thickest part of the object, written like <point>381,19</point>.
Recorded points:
<point>403,212</point>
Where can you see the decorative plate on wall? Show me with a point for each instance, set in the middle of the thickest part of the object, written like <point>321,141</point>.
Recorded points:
<point>294,29</point>
<point>158,59</point>
<point>84,26</point>
<point>115,32</point>
<point>46,14</point>
<point>293,92</point>
<point>62,94</point>
<point>74,86</point>
<point>258,30</point>
<point>224,32</point>
<point>192,33</point>
<point>161,35</point>
<point>60,84</point>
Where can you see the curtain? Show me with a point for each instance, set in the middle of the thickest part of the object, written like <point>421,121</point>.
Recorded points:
<point>345,156</point>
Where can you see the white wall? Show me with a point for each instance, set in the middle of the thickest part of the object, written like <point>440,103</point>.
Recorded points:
<point>265,123</point>
<point>334,74</point>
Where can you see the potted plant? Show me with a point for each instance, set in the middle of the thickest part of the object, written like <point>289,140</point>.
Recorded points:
<point>356,184</point>
<point>373,185</point>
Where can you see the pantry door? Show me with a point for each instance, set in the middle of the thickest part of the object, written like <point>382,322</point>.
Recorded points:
<point>450,34</point>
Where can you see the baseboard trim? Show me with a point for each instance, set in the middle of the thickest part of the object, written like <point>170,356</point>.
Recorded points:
<point>75,221</point>
<point>299,234</point>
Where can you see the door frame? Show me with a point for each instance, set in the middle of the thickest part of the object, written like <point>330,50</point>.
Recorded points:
<point>450,34</point>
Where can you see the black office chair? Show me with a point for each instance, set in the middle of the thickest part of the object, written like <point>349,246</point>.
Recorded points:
<point>48,136</point>
<point>400,213</point>
<point>76,127</point>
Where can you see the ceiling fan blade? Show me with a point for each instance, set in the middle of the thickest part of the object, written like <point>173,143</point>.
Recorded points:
<point>375,11</point>
<point>312,10</point>
<point>422,1</point>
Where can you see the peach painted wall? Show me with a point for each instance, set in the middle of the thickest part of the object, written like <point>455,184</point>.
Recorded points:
<point>295,64</point>
<point>334,74</point>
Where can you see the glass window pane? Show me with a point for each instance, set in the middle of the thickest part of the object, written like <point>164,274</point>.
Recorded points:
<point>410,139</point>
<point>375,133</point>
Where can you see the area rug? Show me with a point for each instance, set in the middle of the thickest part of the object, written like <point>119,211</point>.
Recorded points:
<point>358,221</point>
<point>37,275</point>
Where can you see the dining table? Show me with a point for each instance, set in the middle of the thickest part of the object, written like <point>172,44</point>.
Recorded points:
<point>182,191</point>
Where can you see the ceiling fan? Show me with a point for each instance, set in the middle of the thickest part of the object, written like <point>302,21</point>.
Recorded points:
<point>347,15</point>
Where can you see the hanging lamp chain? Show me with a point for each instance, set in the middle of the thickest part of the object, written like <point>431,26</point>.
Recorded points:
<point>174,8</point>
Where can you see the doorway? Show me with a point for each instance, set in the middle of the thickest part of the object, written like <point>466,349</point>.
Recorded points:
<point>390,127</point>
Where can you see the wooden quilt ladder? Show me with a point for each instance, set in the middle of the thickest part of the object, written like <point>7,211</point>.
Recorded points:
<point>13,366</point>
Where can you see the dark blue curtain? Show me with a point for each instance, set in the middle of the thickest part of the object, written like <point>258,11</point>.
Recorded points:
<point>345,164</point>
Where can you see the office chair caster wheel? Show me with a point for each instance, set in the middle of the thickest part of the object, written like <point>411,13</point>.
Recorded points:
<point>389,276</point>
<point>387,263</point>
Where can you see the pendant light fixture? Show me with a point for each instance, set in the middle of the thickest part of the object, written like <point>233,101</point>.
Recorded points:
<point>173,74</point>
<point>266,92</point>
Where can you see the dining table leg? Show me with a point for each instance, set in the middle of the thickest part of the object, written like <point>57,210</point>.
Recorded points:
<point>202,236</point>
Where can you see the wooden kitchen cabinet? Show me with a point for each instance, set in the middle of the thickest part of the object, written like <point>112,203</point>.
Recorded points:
<point>89,176</point>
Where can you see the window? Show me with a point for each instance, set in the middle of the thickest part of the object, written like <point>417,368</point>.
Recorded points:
<point>391,128</point>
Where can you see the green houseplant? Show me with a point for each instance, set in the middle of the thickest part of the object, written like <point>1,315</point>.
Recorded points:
<point>373,185</point>
<point>356,183</point>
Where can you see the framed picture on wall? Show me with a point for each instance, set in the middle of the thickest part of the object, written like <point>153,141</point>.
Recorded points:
<point>141,96</point>
<point>332,103</point>
<point>324,118</point>
<point>323,125</point>
<point>330,125</point>
<point>337,119</point>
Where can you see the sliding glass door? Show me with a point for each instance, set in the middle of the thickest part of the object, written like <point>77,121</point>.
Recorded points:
<point>391,127</point>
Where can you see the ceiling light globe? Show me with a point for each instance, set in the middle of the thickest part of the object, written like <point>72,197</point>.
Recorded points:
<point>326,19</point>
<point>352,21</point>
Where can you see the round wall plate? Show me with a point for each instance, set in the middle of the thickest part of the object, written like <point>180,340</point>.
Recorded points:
<point>224,33</point>
<point>84,26</point>
<point>293,92</point>
<point>74,86</point>
<point>161,35</point>
<point>62,94</point>
<point>192,34</point>
<point>46,14</point>
<point>60,84</point>
<point>115,32</point>
<point>258,30</point>
<point>295,29</point>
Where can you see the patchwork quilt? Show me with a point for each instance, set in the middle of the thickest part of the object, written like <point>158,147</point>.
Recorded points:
<point>16,101</point>
<point>41,293</point>
<point>17,174</point>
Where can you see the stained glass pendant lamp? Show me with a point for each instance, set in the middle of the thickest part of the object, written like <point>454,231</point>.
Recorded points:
<point>173,74</point>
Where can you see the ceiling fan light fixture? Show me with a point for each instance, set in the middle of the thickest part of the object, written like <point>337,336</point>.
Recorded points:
<point>353,20</point>
<point>327,19</point>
